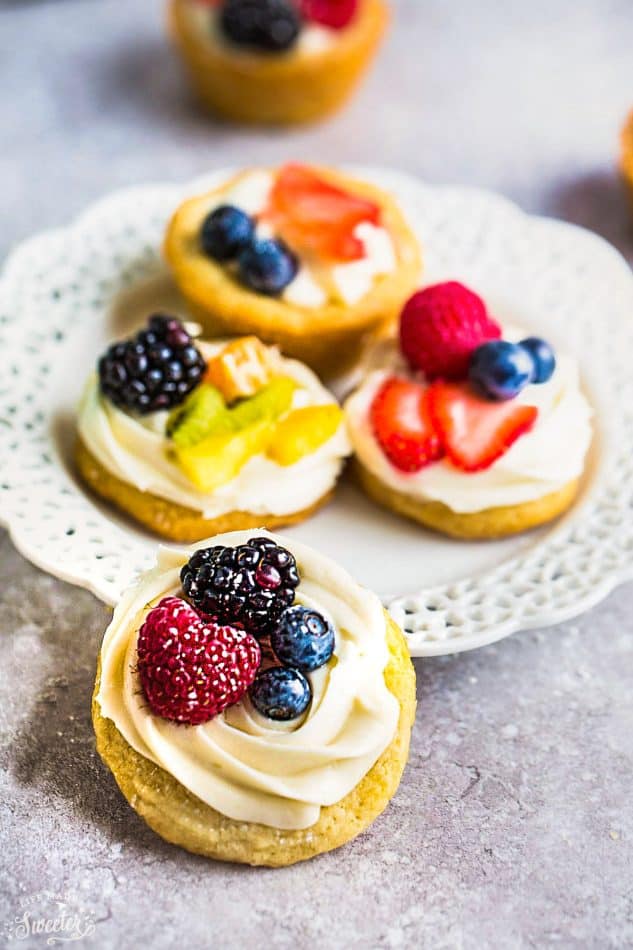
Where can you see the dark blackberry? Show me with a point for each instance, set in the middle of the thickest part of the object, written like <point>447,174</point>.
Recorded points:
<point>270,25</point>
<point>248,586</point>
<point>155,370</point>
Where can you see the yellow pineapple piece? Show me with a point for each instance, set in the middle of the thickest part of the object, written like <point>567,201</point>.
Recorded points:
<point>241,369</point>
<point>216,460</point>
<point>302,432</point>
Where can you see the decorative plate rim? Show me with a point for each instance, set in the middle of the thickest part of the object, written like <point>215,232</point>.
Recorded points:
<point>484,608</point>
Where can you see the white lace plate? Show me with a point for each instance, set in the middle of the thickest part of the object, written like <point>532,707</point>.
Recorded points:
<point>65,293</point>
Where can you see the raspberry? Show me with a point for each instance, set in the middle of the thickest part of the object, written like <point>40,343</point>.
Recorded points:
<point>336,14</point>
<point>248,586</point>
<point>155,370</point>
<point>191,669</point>
<point>441,326</point>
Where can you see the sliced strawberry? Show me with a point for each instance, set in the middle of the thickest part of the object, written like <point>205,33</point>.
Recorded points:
<point>475,431</point>
<point>333,13</point>
<point>315,217</point>
<point>402,424</point>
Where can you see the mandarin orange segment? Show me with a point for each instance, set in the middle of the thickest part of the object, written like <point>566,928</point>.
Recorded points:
<point>317,218</point>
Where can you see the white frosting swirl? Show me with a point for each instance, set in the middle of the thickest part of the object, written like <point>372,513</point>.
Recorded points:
<point>540,462</point>
<point>133,448</point>
<point>239,763</point>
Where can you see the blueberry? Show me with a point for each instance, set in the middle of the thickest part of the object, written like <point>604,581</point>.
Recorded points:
<point>303,639</point>
<point>225,232</point>
<point>542,356</point>
<point>500,370</point>
<point>281,694</point>
<point>268,25</point>
<point>267,266</point>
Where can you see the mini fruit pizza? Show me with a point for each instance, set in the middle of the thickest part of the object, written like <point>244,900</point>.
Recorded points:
<point>468,428</point>
<point>253,703</point>
<point>276,61</point>
<point>188,436</point>
<point>303,257</point>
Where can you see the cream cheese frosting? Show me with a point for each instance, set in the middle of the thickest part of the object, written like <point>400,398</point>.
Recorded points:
<point>540,462</point>
<point>133,448</point>
<point>350,281</point>
<point>239,763</point>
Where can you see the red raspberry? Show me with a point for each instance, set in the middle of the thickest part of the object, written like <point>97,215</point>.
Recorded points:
<point>333,13</point>
<point>192,669</point>
<point>440,327</point>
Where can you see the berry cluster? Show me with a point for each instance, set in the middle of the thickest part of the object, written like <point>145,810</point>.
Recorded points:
<point>264,265</point>
<point>273,26</point>
<point>195,661</point>
<point>154,370</point>
<point>467,413</point>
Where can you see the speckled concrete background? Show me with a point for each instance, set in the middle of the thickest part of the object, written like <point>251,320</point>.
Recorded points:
<point>513,826</point>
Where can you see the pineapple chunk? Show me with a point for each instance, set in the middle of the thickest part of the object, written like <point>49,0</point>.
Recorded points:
<point>241,369</point>
<point>220,457</point>
<point>303,432</point>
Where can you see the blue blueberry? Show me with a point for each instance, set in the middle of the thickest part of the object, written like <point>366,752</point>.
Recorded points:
<point>281,694</point>
<point>303,639</point>
<point>225,232</point>
<point>267,266</point>
<point>500,370</point>
<point>543,358</point>
<point>268,25</point>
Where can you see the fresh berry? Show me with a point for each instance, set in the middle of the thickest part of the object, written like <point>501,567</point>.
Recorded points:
<point>403,426</point>
<point>543,358</point>
<point>476,432</point>
<point>336,14</point>
<point>267,266</point>
<point>316,217</point>
<point>440,327</point>
<point>225,232</point>
<point>248,586</point>
<point>281,694</point>
<point>154,370</point>
<point>500,369</point>
<point>191,670</point>
<point>303,639</point>
<point>268,25</point>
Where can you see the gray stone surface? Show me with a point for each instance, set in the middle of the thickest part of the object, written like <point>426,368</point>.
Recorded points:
<point>513,825</point>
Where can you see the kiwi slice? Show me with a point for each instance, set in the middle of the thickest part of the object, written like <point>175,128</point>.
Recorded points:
<point>202,412</point>
<point>269,403</point>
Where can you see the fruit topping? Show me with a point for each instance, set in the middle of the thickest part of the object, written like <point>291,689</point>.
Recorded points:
<point>248,586</point>
<point>241,368</point>
<point>317,218</point>
<point>230,437</point>
<point>192,669</point>
<point>202,410</point>
<point>302,432</point>
<point>220,457</point>
<point>500,369</point>
<point>154,370</point>
<point>303,639</point>
<point>542,356</point>
<point>225,232</point>
<point>440,327</point>
<point>403,426</point>
<point>476,432</point>
<point>267,266</point>
<point>267,25</point>
<point>335,14</point>
<point>280,694</point>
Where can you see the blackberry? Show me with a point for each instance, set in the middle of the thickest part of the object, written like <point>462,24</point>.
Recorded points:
<point>270,25</point>
<point>155,370</point>
<point>248,586</point>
